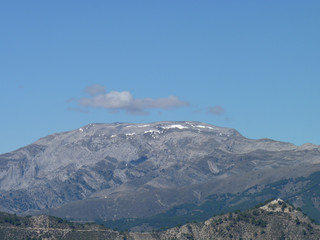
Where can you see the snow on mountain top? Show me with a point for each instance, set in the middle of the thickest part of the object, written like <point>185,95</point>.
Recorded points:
<point>130,134</point>
<point>152,131</point>
<point>139,126</point>
<point>175,126</point>
<point>201,126</point>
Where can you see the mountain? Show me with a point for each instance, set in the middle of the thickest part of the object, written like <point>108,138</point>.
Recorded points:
<point>274,220</point>
<point>143,174</point>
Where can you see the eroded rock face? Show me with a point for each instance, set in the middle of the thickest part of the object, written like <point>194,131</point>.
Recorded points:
<point>112,171</point>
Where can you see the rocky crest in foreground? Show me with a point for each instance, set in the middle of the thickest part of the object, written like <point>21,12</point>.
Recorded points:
<point>275,220</point>
<point>129,172</point>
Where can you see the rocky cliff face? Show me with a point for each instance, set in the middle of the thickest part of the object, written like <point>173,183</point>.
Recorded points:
<point>114,171</point>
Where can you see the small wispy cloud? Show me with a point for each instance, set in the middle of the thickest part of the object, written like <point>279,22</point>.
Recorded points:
<point>124,100</point>
<point>95,89</point>
<point>216,110</point>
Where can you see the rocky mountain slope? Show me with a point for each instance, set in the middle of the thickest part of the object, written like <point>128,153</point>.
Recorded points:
<point>275,220</point>
<point>108,172</point>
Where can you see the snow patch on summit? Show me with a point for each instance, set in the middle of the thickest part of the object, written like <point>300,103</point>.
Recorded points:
<point>201,126</point>
<point>141,126</point>
<point>174,126</point>
<point>152,131</point>
<point>130,134</point>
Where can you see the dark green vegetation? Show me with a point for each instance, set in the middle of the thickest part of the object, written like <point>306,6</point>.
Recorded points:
<point>288,189</point>
<point>274,220</point>
<point>47,227</point>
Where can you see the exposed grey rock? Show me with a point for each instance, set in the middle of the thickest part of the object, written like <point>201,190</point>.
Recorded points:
<point>111,171</point>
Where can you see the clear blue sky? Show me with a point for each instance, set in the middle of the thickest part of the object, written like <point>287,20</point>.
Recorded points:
<point>250,65</point>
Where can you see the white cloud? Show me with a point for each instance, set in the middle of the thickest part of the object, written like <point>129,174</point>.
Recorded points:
<point>125,101</point>
<point>112,100</point>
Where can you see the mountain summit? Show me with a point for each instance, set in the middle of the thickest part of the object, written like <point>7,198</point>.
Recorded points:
<point>121,170</point>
